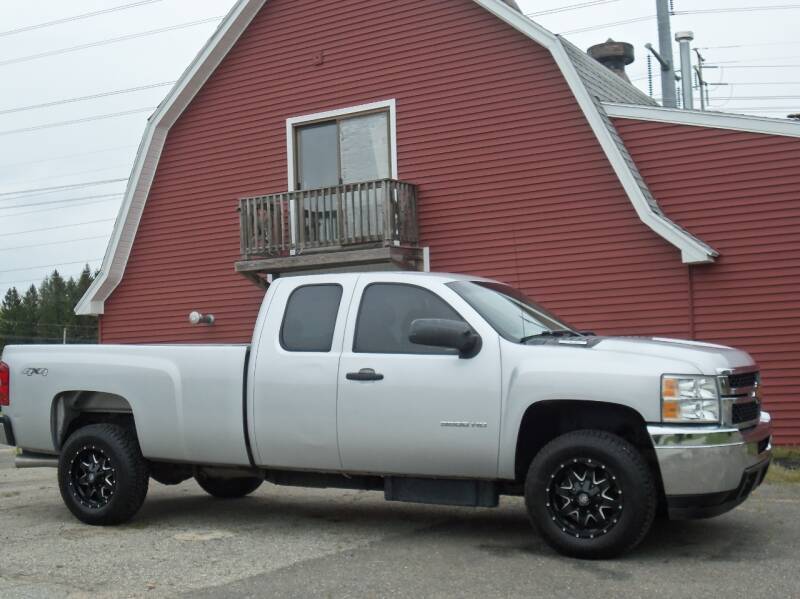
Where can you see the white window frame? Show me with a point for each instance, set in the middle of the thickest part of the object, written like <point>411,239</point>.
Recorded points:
<point>298,121</point>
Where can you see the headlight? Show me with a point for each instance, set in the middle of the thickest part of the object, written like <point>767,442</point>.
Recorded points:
<point>689,398</point>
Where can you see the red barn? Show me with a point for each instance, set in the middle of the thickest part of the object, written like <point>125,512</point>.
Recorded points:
<point>457,135</point>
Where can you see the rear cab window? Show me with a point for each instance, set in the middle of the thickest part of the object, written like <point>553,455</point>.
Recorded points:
<point>310,318</point>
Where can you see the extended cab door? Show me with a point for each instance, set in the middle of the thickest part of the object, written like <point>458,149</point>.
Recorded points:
<point>426,411</point>
<point>293,372</point>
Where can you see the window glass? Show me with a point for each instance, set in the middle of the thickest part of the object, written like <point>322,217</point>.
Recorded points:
<point>364,147</point>
<point>318,156</point>
<point>509,311</point>
<point>310,318</point>
<point>385,316</point>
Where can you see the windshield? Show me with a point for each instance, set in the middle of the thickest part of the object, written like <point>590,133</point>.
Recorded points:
<point>509,311</point>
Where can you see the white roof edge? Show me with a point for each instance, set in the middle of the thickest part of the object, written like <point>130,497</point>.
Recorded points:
<point>699,118</point>
<point>234,24</point>
<point>155,134</point>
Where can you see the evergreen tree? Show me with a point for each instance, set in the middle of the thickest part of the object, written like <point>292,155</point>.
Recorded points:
<point>10,312</point>
<point>42,315</point>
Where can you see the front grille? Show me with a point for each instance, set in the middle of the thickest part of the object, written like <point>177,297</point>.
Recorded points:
<point>746,379</point>
<point>745,412</point>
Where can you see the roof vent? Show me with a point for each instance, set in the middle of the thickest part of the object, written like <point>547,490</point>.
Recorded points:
<point>614,55</point>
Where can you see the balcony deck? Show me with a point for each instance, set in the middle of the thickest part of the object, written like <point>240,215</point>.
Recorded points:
<point>369,225</point>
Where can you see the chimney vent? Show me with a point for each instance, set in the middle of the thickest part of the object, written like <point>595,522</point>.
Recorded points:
<point>614,55</point>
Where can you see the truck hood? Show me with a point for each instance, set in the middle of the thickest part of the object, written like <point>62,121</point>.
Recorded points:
<point>707,358</point>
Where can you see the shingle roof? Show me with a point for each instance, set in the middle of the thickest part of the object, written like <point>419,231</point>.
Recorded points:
<point>601,83</point>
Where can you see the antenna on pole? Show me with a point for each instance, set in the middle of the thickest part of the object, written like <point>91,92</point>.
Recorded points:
<point>701,83</point>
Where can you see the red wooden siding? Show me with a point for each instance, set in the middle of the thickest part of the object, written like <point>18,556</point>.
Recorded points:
<point>513,183</point>
<point>740,192</point>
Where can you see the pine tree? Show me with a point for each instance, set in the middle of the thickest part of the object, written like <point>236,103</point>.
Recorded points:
<point>10,312</point>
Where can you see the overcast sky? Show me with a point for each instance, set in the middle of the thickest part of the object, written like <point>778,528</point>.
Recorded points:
<point>758,53</point>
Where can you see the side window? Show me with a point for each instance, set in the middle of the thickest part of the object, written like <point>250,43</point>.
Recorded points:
<point>310,318</point>
<point>385,316</point>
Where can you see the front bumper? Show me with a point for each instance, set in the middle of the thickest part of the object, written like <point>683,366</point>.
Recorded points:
<point>6,432</point>
<point>709,470</point>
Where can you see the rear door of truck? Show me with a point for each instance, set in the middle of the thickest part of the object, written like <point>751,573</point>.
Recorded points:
<point>294,370</point>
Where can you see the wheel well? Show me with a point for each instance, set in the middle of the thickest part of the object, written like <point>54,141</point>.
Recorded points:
<point>546,420</point>
<point>75,409</point>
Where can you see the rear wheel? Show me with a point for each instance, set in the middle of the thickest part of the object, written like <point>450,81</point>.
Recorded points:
<point>228,488</point>
<point>591,494</point>
<point>102,475</point>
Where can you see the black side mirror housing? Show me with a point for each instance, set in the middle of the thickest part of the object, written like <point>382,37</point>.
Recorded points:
<point>440,332</point>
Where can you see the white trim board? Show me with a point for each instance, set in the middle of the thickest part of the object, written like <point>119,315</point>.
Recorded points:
<point>698,118</point>
<point>232,27</point>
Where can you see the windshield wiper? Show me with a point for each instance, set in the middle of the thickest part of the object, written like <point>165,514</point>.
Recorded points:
<point>559,333</point>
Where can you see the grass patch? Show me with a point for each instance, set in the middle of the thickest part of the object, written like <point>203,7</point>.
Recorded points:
<point>786,452</point>
<point>779,475</point>
<point>785,468</point>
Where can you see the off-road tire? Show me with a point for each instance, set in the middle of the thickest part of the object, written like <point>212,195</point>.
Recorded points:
<point>228,488</point>
<point>633,480</point>
<point>118,448</point>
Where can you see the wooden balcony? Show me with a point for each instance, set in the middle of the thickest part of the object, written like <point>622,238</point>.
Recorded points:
<point>369,225</point>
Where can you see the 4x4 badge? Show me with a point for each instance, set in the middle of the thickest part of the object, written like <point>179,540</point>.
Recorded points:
<point>32,371</point>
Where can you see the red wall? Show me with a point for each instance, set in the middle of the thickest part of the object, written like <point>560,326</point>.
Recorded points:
<point>513,183</point>
<point>739,192</point>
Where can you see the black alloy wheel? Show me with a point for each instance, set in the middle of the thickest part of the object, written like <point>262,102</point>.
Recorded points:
<point>92,477</point>
<point>591,494</point>
<point>584,498</point>
<point>102,475</point>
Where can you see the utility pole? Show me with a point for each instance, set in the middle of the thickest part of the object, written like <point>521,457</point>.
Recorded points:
<point>664,54</point>
<point>685,38</point>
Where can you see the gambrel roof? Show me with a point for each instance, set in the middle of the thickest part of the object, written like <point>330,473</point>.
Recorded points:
<point>590,82</point>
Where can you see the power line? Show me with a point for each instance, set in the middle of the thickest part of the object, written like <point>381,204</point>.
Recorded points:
<point>85,15</point>
<point>62,207</point>
<point>91,222</point>
<point>605,25</point>
<point>76,121</point>
<point>712,11</point>
<point>748,45</point>
<point>112,40</point>
<point>569,7</point>
<point>38,245</point>
<point>115,92</point>
<point>762,66</point>
<point>52,265</point>
<point>64,201</point>
<point>59,188</point>
<point>125,166</point>
<point>67,156</point>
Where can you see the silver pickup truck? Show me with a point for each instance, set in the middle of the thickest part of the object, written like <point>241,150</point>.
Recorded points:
<point>432,388</point>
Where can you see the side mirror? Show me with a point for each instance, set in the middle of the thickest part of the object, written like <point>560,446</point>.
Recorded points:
<point>440,332</point>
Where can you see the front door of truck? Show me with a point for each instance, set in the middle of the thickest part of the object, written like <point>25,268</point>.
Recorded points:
<point>411,409</point>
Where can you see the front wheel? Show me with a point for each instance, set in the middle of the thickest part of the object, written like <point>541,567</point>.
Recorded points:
<point>102,475</point>
<point>228,488</point>
<point>591,494</point>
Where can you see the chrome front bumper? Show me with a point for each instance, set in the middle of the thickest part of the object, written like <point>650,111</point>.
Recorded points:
<point>716,466</point>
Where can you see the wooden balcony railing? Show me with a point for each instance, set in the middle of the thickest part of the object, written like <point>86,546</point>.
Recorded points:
<point>373,213</point>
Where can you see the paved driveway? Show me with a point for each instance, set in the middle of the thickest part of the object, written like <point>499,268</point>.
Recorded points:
<point>284,542</point>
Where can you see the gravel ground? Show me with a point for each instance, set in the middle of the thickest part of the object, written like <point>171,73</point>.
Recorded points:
<point>284,542</point>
